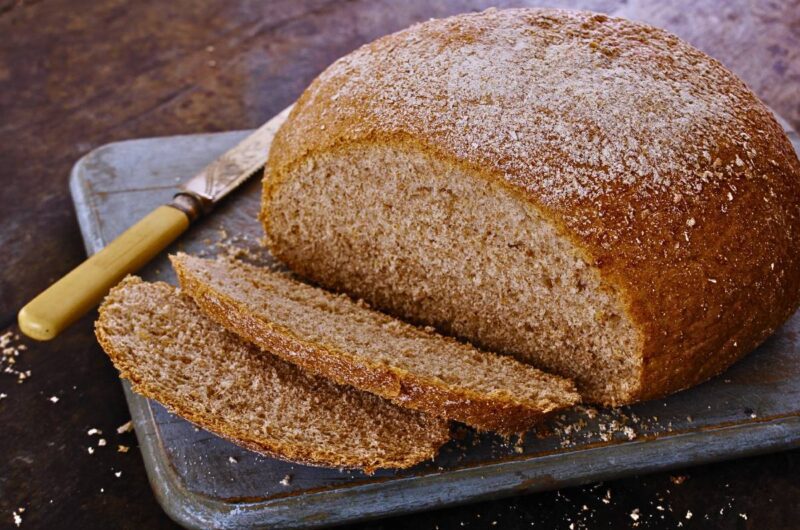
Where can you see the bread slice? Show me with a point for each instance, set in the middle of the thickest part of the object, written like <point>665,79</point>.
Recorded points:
<point>349,343</point>
<point>171,352</point>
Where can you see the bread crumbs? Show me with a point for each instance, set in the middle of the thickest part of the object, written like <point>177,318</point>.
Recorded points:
<point>125,427</point>
<point>10,350</point>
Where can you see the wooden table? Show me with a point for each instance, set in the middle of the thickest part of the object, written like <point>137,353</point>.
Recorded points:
<point>75,74</point>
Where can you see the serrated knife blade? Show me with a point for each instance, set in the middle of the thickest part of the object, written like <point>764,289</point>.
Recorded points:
<point>230,170</point>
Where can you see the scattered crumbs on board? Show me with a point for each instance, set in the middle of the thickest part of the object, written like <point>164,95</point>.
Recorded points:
<point>287,480</point>
<point>239,246</point>
<point>605,425</point>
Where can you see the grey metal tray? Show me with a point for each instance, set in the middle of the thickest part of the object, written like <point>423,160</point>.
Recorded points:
<point>203,481</point>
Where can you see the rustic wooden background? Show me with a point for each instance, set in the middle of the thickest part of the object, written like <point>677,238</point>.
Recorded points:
<point>75,74</point>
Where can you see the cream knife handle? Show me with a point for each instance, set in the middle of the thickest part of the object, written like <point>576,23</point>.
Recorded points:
<point>75,294</point>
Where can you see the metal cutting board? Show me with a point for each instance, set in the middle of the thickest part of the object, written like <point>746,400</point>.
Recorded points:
<point>203,481</point>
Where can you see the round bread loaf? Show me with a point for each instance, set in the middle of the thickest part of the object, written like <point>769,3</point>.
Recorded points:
<point>589,194</point>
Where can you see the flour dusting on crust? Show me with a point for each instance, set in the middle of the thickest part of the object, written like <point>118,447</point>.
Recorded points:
<point>563,103</point>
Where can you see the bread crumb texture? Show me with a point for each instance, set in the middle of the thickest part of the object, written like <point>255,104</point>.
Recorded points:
<point>170,352</point>
<point>350,343</point>
<point>589,194</point>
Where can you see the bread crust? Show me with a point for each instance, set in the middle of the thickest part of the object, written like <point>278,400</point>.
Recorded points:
<point>699,245</point>
<point>496,413</point>
<point>289,452</point>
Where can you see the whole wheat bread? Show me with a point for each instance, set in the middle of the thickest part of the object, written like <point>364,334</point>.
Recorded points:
<point>348,342</point>
<point>167,348</point>
<point>590,194</point>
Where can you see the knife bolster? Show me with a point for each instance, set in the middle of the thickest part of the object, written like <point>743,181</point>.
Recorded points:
<point>190,204</point>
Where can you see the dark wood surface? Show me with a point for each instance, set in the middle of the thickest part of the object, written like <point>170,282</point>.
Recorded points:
<point>75,74</point>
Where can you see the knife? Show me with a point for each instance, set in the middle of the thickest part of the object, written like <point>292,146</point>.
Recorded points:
<point>68,299</point>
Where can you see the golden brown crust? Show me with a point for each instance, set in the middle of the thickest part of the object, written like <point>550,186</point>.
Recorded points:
<point>692,215</point>
<point>502,414</point>
<point>290,452</point>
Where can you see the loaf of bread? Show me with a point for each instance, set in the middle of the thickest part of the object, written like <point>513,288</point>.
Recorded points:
<point>591,195</point>
<point>167,348</point>
<point>351,344</point>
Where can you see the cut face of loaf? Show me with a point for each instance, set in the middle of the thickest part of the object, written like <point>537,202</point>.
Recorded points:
<point>586,193</point>
<point>439,246</point>
<point>352,344</point>
<point>166,347</point>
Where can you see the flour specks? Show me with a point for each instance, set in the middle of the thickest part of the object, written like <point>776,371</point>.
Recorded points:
<point>565,104</point>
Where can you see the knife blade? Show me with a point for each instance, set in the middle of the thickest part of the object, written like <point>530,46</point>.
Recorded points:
<point>69,298</point>
<point>227,172</point>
